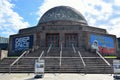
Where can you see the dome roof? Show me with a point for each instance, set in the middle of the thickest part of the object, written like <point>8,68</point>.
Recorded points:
<point>62,13</point>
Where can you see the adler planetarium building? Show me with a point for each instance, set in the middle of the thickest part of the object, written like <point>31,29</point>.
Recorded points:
<point>62,25</point>
<point>66,42</point>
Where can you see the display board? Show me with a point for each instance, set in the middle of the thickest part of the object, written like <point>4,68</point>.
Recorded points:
<point>22,43</point>
<point>39,67</point>
<point>104,44</point>
<point>116,66</point>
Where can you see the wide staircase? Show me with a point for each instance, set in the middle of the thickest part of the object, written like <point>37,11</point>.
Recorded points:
<point>59,60</point>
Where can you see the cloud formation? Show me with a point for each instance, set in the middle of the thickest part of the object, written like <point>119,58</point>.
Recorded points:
<point>98,13</point>
<point>10,21</point>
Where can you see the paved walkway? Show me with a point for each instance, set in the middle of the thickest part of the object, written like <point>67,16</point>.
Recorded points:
<point>57,76</point>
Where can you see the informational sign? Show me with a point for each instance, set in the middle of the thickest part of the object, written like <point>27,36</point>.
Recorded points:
<point>39,67</point>
<point>116,66</point>
<point>104,44</point>
<point>22,43</point>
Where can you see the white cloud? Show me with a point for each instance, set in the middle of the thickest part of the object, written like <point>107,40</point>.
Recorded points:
<point>117,2</point>
<point>10,21</point>
<point>94,15</point>
<point>113,27</point>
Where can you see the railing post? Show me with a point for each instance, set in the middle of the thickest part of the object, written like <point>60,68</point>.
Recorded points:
<point>41,55</point>
<point>73,48</point>
<point>16,61</point>
<point>81,59</point>
<point>60,55</point>
<point>49,48</point>
<point>103,59</point>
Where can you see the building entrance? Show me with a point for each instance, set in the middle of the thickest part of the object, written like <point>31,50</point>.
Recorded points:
<point>71,39</point>
<point>52,39</point>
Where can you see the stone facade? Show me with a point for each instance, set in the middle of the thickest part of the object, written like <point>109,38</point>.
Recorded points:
<point>57,31</point>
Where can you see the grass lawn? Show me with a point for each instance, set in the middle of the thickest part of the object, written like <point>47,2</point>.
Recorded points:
<point>13,57</point>
<point>110,56</point>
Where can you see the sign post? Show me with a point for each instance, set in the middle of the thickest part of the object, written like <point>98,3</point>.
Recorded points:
<point>116,69</point>
<point>39,68</point>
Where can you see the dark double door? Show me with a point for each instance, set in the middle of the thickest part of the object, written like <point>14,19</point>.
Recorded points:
<point>71,39</point>
<point>53,39</point>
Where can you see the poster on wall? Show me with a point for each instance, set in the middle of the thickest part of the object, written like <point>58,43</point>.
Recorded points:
<point>22,43</point>
<point>103,44</point>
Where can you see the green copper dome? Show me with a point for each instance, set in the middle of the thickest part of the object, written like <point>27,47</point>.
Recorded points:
<point>62,13</point>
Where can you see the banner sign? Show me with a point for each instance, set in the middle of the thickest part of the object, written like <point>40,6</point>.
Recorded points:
<point>22,43</point>
<point>116,66</point>
<point>101,43</point>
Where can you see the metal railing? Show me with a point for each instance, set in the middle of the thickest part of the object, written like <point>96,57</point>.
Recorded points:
<point>25,52</point>
<point>49,48</point>
<point>41,55</point>
<point>81,58</point>
<point>73,48</point>
<point>103,58</point>
<point>61,55</point>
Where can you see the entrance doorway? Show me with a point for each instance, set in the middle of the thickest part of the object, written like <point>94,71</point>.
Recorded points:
<point>52,38</point>
<point>71,38</point>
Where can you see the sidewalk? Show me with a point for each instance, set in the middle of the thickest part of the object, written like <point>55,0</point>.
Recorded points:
<point>57,76</point>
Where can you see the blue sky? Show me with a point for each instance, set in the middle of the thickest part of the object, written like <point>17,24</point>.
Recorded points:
<point>27,9</point>
<point>19,14</point>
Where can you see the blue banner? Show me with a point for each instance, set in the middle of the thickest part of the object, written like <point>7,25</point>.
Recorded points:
<point>22,43</point>
<point>104,44</point>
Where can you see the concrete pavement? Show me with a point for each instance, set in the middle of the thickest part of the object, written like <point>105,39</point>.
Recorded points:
<point>57,76</point>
